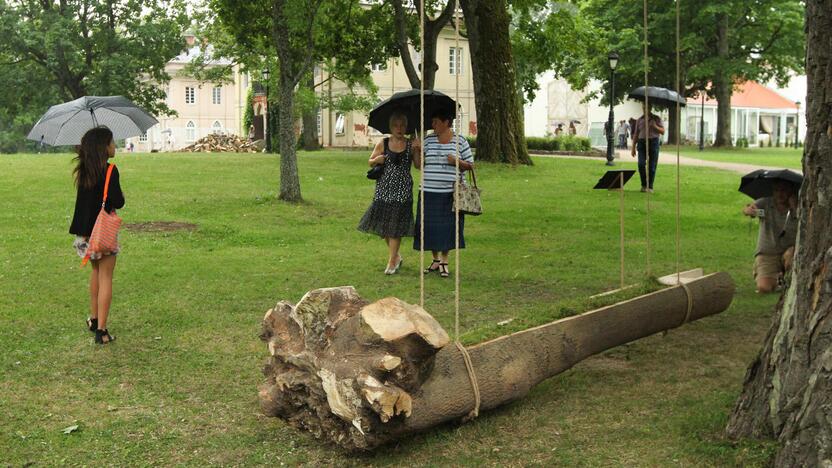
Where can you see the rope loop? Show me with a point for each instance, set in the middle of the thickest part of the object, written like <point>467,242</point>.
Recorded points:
<point>472,376</point>
<point>690,302</point>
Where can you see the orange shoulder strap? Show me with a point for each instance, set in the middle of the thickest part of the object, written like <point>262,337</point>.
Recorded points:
<point>107,183</point>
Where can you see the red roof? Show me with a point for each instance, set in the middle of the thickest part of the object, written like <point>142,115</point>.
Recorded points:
<point>754,95</point>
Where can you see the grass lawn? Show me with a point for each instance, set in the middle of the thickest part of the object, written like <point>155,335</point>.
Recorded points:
<point>770,157</point>
<point>179,386</point>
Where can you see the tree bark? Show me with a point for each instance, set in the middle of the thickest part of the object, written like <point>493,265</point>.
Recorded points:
<point>310,123</point>
<point>787,392</point>
<point>361,375</point>
<point>723,86</point>
<point>500,132</point>
<point>289,180</point>
<point>432,29</point>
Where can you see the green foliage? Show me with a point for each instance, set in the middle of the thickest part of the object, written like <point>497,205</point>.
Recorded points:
<point>554,37</point>
<point>573,40</point>
<point>248,114</point>
<point>52,53</point>
<point>560,143</point>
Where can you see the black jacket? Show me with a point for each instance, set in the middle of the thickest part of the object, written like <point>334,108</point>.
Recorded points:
<point>88,203</point>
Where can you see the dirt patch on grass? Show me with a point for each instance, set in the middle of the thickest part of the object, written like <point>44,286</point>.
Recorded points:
<point>160,226</point>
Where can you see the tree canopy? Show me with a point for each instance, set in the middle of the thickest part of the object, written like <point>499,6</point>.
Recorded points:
<point>62,50</point>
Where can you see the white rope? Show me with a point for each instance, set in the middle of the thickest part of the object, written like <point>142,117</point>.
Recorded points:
<point>422,158</point>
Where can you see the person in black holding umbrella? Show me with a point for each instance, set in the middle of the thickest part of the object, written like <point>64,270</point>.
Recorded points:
<point>654,131</point>
<point>778,230</point>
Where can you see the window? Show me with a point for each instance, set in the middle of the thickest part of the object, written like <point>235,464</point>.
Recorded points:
<point>455,61</point>
<point>378,67</point>
<point>216,96</point>
<point>190,95</point>
<point>216,128</point>
<point>190,132</point>
<point>339,123</point>
<point>320,120</point>
<point>143,137</point>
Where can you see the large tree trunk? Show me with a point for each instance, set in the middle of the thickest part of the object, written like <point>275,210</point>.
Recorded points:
<point>723,86</point>
<point>289,180</point>
<point>362,374</point>
<point>500,132</point>
<point>787,392</point>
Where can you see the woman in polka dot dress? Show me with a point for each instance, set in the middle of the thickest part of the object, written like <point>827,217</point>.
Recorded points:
<point>390,216</point>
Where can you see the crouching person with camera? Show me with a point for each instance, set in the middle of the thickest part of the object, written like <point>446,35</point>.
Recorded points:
<point>775,241</point>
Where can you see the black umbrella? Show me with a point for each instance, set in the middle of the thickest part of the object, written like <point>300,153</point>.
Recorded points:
<point>407,102</point>
<point>660,97</point>
<point>760,183</point>
<point>65,124</point>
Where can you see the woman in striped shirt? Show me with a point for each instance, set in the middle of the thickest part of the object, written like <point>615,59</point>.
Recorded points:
<point>440,153</point>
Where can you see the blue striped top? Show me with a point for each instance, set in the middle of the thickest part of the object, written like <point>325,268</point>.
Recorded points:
<point>439,174</point>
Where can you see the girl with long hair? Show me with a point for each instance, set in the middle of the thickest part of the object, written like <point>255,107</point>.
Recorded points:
<point>97,146</point>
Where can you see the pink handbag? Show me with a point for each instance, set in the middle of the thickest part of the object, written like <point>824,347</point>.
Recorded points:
<point>104,237</point>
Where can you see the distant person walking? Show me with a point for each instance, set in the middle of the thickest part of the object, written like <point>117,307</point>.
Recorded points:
<point>623,132</point>
<point>97,146</point>
<point>390,216</point>
<point>559,130</point>
<point>654,129</point>
<point>572,129</point>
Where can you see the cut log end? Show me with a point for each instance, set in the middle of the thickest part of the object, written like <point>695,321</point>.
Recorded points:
<point>344,369</point>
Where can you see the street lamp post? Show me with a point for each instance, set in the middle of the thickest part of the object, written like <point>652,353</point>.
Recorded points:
<point>797,125</point>
<point>613,58</point>
<point>267,130</point>
<point>702,123</point>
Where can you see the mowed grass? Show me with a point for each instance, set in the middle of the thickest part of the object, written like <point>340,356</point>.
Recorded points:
<point>179,386</point>
<point>770,157</point>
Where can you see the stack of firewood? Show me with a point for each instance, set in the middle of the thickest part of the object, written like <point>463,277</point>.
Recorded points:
<point>215,143</point>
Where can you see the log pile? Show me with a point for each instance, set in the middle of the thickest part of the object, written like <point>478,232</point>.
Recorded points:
<point>216,143</point>
<point>361,374</point>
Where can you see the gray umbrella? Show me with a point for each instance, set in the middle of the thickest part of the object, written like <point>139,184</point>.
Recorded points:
<point>65,124</point>
<point>660,97</point>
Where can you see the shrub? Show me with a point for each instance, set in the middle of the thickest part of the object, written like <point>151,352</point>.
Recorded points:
<point>472,141</point>
<point>561,143</point>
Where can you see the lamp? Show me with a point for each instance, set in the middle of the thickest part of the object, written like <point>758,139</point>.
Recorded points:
<point>613,58</point>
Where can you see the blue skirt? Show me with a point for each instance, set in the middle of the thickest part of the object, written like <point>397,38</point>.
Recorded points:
<point>440,226</point>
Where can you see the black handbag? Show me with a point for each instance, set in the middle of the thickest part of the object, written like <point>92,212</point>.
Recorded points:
<point>375,172</point>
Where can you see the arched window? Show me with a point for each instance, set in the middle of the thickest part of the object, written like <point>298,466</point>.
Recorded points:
<point>216,128</point>
<point>190,131</point>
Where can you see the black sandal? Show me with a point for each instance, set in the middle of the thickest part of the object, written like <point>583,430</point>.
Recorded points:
<point>431,269</point>
<point>443,270</point>
<point>103,337</point>
<point>92,324</point>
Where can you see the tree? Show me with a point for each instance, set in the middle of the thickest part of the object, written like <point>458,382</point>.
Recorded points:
<point>407,33</point>
<point>340,33</point>
<point>763,39</point>
<point>787,394</point>
<point>63,50</point>
<point>500,133</point>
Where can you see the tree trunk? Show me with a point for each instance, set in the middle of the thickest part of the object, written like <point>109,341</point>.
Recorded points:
<point>787,392</point>
<point>723,86</point>
<point>289,180</point>
<point>500,132</point>
<point>360,374</point>
<point>310,123</point>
